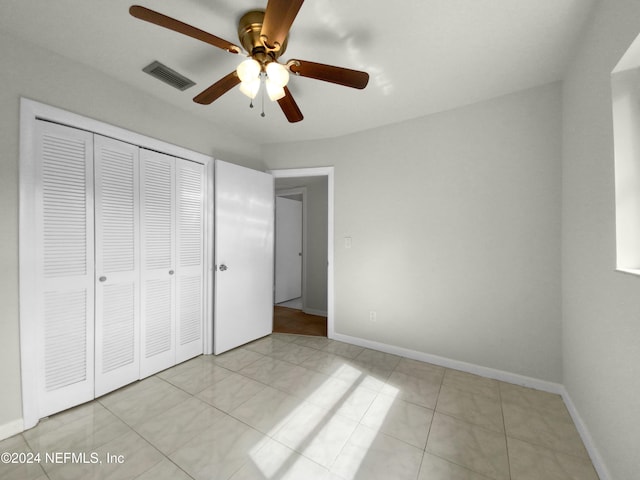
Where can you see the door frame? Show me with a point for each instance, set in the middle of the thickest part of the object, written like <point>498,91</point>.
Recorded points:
<point>30,112</point>
<point>329,173</point>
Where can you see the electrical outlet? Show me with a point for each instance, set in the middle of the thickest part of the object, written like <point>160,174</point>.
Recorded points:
<point>373,316</point>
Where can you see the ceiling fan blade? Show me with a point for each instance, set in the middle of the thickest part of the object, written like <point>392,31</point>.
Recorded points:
<point>290,107</point>
<point>278,18</point>
<point>218,89</point>
<point>177,26</point>
<point>329,73</point>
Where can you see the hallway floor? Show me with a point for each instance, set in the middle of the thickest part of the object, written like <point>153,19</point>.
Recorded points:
<point>290,320</point>
<point>302,407</point>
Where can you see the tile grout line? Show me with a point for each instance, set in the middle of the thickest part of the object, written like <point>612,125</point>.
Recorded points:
<point>167,456</point>
<point>435,409</point>
<point>133,429</point>
<point>455,418</point>
<point>424,451</point>
<point>504,426</point>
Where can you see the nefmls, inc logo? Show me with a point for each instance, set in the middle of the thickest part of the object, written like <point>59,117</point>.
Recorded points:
<point>72,457</point>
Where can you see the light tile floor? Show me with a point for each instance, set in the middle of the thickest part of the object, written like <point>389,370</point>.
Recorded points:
<point>295,407</point>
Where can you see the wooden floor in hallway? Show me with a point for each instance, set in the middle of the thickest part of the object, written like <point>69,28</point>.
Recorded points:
<point>290,320</point>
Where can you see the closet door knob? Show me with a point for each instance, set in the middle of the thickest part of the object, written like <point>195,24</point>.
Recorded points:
<point>171,272</point>
<point>103,279</point>
<point>223,267</point>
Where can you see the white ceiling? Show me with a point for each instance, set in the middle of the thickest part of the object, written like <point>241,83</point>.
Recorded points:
<point>423,56</point>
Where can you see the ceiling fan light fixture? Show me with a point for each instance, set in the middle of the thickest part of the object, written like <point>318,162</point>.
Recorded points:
<point>274,91</point>
<point>277,74</point>
<point>248,70</point>
<point>251,88</point>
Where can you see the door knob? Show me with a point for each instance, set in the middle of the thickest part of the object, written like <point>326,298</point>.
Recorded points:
<point>223,267</point>
<point>103,279</point>
<point>171,272</point>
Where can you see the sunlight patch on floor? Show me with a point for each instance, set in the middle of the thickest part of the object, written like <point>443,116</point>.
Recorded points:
<point>316,428</point>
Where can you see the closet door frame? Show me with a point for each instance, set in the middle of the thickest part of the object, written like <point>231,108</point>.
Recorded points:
<point>30,112</point>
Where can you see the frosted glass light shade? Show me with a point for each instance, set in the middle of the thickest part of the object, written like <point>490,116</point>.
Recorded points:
<point>250,88</point>
<point>248,70</point>
<point>278,74</point>
<point>275,91</point>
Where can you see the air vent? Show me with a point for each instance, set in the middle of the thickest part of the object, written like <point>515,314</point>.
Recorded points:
<point>167,75</point>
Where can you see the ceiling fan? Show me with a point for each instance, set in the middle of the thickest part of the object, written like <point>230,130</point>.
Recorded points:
<point>264,35</point>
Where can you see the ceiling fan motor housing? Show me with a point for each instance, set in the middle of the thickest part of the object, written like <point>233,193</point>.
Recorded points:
<point>249,29</point>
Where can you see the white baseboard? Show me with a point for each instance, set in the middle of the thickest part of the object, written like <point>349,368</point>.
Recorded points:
<point>11,428</point>
<point>501,375</point>
<point>587,439</point>
<point>313,311</point>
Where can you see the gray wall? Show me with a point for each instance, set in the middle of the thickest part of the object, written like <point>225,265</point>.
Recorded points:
<point>455,221</point>
<point>601,326</point>
<point>39,75</point>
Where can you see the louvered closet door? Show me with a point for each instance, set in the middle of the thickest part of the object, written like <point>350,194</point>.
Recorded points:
<point>117,323</point>
<point>157,224</point>
<point>189,259</point>
<point>64,267</point>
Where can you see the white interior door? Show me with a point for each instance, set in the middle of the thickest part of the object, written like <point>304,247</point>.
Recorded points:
<point>64,268</point>
<point>157,223</point>
<point>244,230</point>
<point>190,179</point>
<point>288,280</point>
<point>117,326</point>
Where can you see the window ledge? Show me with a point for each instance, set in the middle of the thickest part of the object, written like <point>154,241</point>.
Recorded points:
<point>630,271</point>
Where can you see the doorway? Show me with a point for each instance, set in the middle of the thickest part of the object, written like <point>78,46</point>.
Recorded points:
<point>289,236</point>
<point>312,311</point>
